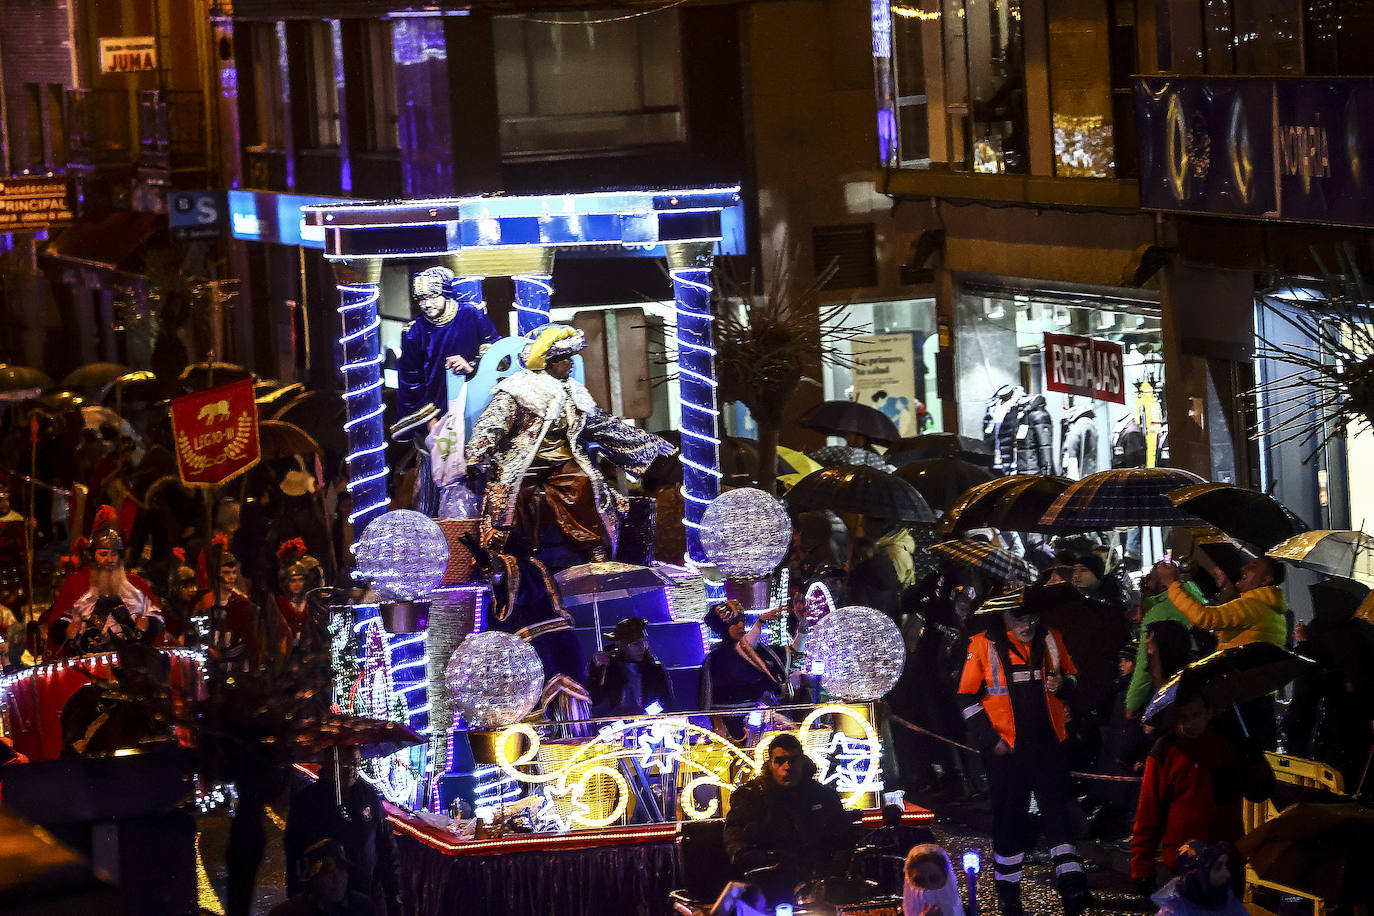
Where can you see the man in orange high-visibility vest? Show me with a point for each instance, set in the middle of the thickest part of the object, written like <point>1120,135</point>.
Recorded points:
<point>1009,694</point>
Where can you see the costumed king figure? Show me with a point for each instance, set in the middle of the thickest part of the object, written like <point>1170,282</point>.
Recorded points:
<point>534,441</point>
<point>448,337</point>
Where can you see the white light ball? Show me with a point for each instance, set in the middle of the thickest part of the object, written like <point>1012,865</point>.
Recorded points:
<point>494,679</point>
<point>745,533</point>
<point>403,553</point>
<point>860,650</point>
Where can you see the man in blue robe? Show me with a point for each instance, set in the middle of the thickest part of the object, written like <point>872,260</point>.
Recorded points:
<point>449,336</point>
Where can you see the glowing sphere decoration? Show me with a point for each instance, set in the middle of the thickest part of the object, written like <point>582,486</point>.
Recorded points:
<point>860,650</point>
<point>404,554</point>
<point>745,533</point>
<point>494,679</point>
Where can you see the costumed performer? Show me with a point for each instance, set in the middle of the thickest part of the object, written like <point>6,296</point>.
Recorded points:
<point>298,574</point>
<point>740,672</point>
<point>534,440</point>
<point>448,337</point>
<point>102,575</point>
<point>239,635</point>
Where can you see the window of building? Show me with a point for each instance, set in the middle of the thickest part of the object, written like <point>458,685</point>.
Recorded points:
<point>969,55</point>
<point>588,81</point>
<point>373,124</point>
<point>319,76</point>
<point>1224,37</point>
<point>267,47</point>
<point>1081,88</point>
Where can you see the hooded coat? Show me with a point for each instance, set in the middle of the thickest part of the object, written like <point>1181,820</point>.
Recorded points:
<point>1256,616</point>
<point>1035,439</point>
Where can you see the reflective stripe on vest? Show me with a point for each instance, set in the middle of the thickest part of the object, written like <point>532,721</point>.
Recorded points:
<point>996,684</point>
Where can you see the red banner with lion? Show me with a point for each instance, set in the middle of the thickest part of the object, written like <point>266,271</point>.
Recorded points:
<point>216,433</point>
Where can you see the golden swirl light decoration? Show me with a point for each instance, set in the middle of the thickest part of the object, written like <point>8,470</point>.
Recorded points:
<point>585,784</point>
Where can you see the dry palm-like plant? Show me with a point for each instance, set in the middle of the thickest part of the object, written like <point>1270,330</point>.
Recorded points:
<point>769,336</point>
<point>1332,386</point>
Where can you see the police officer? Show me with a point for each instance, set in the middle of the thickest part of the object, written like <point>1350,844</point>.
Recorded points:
<point>1009,692</point>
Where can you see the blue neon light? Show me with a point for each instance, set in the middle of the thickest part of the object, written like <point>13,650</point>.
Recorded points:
<point>697,388</point>
<point>265,216</point>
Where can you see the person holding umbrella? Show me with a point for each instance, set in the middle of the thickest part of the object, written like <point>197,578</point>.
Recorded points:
<point>629,679</point>
<point>1195,780</point>
<point>1257,615</point>
<point>1010,690</point>
<point>340,806</point>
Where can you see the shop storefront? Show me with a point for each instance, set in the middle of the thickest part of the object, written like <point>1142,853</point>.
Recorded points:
<point>891,364</point>
<point>1060,380</point>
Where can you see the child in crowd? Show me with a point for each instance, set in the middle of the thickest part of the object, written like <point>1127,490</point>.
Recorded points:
<point>930,888</point>
<point>1201,885</point>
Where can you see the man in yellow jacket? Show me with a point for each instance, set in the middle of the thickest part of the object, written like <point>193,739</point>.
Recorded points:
<point>1258,614</point>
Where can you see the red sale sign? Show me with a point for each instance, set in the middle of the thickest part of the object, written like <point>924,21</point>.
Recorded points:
<point>216,433</point>
<point>1084,366</point>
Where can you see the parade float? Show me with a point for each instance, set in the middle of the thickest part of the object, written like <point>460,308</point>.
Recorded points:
<point>481,642</point>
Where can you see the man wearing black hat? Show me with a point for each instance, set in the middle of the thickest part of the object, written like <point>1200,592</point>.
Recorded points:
<point>1010,695</point>
<point>629,679</point>
<point>324,874</point>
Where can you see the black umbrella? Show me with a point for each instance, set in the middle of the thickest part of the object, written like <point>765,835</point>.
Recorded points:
<point>1321,849</point>
<point>862,491</point>
<point>321,416</point>
<point>939,445</point>
<point>943,480</point>
<point>20,382</point>
<point>1227,678</point>
<point>199,376</point>
<point>839,417</point>
<point>971,509</point>
<point>373,737</point>
<point>1020,506</point>
<point>1256,518</point>
<point>996,562</point>
<point>93,377</point>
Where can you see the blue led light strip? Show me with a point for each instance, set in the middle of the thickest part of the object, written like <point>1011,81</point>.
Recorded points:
<point>697,389</point>
<point>362,361</point>
<point>532,296</point>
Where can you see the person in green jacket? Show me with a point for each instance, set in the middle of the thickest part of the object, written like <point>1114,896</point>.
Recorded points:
<point>1155,606</point>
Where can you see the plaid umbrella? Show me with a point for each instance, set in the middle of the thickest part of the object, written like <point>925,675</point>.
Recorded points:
<point>1121,498</point>
<point>971,509</point>
<point>1246,515</point>
<point>1336,553</point>
<point>834,456</point>
<point>943,480</point>
<point>862,491</point>
<point>995,562</point>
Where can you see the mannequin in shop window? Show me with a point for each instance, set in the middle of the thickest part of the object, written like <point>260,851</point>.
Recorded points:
<point>1035,439</point>
<point>1079,452</point>
<point>1128,443</point>
<point>1001,419</point>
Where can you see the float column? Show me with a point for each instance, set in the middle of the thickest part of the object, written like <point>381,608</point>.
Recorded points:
<point>358,283</point>
<point>689,264</point>
<point>532,295</point>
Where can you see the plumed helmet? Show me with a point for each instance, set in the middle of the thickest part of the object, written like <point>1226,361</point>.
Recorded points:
<point>180,573</point>
<point>105,533</point>
<point>292,560</point>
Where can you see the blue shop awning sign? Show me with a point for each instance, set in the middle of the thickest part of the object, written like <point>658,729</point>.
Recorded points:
<point>1285,149</point>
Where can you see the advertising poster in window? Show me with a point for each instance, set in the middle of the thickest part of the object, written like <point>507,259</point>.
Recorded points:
<point>885,378</point>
